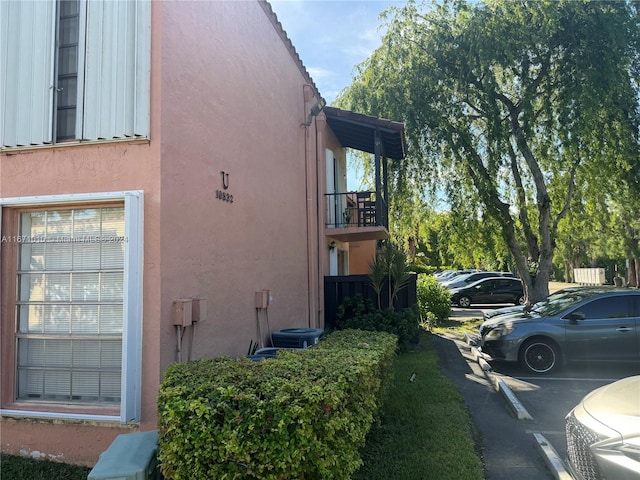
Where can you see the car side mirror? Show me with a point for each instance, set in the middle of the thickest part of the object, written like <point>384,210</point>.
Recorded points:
<point>575,316</point>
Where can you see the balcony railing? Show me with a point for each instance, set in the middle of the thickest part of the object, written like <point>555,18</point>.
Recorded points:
<point>354,209</point>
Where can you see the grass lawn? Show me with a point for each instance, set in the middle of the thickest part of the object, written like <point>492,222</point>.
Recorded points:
<point>459,326</point>
<point>424,431</point>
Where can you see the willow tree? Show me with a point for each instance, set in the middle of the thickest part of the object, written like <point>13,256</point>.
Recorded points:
<point>508,100</point>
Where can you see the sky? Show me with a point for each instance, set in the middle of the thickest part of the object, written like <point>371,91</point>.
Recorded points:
<point>332,36</point>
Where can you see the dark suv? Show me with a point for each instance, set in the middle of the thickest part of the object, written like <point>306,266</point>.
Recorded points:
<point>489,290</point>
<point>468,279</point>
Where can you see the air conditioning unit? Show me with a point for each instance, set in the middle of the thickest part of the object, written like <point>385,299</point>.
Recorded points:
<point>296,337</point>
<point>131,456</point>
<point>268,352</point>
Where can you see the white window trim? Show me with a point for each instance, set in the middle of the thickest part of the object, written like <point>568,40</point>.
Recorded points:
<point>132,324</point>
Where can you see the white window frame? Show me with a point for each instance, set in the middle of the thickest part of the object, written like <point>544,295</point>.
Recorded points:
<point>132,323</point>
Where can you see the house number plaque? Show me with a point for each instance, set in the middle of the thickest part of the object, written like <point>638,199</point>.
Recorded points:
<point>222,194</point>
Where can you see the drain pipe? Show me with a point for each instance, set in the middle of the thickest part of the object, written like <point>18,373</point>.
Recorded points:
<point>314,111</point>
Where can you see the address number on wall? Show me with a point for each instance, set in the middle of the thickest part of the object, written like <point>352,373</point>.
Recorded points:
<point>221,194</point>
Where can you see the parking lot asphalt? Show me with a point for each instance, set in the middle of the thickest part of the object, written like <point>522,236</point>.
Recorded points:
<point>550,398</point>
<point>508,451</point>
<point>509,446</point>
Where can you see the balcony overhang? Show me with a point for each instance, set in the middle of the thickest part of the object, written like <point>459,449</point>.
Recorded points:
<point>359,131</point>
<point>356,234</point>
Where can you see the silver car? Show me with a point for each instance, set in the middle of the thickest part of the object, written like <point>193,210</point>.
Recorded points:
<point>589,324</point>
<point>603,433</point>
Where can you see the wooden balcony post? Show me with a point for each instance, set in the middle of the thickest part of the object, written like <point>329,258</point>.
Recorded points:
<point>377,147</point>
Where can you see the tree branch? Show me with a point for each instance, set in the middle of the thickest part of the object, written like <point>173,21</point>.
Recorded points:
<point>489,194</point>
<point>567,204</point>
<point>532,240</point>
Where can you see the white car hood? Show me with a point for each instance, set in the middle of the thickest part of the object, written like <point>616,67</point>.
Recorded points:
<point>617,406</point>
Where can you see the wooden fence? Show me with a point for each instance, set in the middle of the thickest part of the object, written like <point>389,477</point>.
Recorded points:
<point>337,288</point>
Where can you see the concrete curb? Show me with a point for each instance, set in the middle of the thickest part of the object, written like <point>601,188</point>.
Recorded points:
<point>551,458</point>
<point>547,452</point>
<point>516,407</point>
<point>500,385</point>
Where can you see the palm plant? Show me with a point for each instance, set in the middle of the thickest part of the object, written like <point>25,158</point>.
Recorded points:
<point>377,274</point>
<point>390,263</point>
<point>398,274</point>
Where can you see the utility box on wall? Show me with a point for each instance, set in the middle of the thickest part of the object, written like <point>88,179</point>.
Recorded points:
<point>131,456</point>
<point>182,312</point>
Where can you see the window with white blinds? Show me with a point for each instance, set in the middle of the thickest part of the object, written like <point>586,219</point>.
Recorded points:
<point>70,305</point>
<point>76,336</point>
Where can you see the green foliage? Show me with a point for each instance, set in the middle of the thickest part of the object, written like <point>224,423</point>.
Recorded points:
<point>434,301</point>
<point>398,274</point>
<point>21,468</point>
<point>304,414</point>
<point>463,239</point>
<point>510,109</point>
<point>378,273</point>
<point>360,313</point>
<point>419,268</point>
<point>390,264</point>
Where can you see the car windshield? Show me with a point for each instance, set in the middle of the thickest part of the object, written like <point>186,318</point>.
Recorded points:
<point>459,278</point>
<point>536,306</point>
<point>474,283</point>
<point>555,304</point>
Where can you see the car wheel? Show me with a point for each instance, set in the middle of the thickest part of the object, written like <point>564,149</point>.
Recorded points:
<point>519,300</point>
<point>539,355</point>
<point>464,302</point>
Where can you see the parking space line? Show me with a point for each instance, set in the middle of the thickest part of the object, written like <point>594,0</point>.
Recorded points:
<point>571,379</point>
<point>547,432</point>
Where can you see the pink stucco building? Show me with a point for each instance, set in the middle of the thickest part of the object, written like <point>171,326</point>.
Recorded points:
<point>153,153</point>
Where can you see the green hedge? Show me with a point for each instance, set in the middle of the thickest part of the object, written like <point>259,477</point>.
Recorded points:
<point>304,414</point>
<point>359,313</point>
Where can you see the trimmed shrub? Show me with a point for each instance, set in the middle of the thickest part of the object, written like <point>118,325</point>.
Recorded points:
<point>419,268</point>
<point>359,313</point>
<point>304,414</point>
<point>434,301</point>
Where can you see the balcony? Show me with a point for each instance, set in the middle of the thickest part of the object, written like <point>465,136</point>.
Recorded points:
<point>356,216</point>
<point>359,216</point>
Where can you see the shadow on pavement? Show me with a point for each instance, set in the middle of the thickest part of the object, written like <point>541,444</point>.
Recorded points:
<point>508,450</point>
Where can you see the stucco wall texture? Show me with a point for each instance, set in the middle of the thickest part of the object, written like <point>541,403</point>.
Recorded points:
<point>226,96</point>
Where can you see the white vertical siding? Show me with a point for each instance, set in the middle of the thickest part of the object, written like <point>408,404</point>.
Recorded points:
<point>117,69</point>
<point>27,31</point>
<point>113,70</point>
<point>143,69</point>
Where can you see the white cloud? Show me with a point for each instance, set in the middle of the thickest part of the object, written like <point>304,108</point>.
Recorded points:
<point>319,73</point>
<point>332,37</point>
